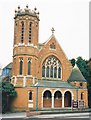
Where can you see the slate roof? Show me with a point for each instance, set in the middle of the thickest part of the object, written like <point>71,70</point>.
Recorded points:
<point>76,75</point>
<point>9,66</point>
<point>54,84</point>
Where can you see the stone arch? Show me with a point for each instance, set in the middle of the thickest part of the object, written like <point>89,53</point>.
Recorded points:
<point>57,99</point>
<point>70,92</point>
<point>47,99</point>
<point>67,99</point>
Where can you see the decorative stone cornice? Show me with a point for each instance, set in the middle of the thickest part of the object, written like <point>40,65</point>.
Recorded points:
<point>26,11</point>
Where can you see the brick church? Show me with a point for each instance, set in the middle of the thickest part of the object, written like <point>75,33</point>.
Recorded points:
<point>42,75</point>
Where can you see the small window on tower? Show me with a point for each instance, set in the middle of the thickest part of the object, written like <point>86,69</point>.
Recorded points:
<point>30,32</point>
<point>29,66</point>
<point>21,65</point>
<point>30,95</point>
<point>22,32</point>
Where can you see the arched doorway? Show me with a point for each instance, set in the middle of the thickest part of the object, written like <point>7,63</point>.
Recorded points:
<point>67,99</point>
<point>57,99</point>
<point>47,99</point>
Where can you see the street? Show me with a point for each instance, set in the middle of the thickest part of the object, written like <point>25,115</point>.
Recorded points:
<point>69,116</point>
<point>48,119</point>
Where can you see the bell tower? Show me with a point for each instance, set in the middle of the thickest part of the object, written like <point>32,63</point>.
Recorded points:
<point>25,48</point>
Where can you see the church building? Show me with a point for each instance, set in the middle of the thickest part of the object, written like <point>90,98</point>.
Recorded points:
<point>42,74</point>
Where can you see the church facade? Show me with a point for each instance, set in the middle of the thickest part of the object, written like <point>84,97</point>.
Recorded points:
<point>42,75</point>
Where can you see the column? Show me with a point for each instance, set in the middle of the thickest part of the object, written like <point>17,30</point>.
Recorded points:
<point>52,101</point>
<point>24,81</point>
<point>72,97</point>
<point>72,100</point>
<point>77,94</point>
<point>62,101</point>
<point>36,98</point>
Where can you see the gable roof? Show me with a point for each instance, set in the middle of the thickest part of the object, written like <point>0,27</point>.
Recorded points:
<point>9,66</point>
<point>76,75</point>
<point>41,46</point>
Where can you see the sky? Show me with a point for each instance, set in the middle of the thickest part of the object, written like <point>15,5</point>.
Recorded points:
<point>70,19</point>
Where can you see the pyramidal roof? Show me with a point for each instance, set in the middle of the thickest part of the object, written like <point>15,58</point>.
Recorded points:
<point>76,75</point>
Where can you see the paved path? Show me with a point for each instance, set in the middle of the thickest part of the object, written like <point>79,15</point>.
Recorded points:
<point>14,115</point>
<point>65,116</point>
<point>68,115</point>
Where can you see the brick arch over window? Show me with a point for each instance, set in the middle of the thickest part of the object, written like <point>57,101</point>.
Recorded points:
<point>51,67</point>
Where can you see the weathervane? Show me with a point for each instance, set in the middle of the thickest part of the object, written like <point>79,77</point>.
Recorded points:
<point>52,30</point>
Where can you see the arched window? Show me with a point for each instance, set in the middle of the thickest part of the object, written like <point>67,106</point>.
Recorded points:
<point>51,68</point>
<point>47,95</point>
<point>47,71</point>
<point>30,32</point>
<point>22,32</point>
<point>29,66</point>
<point>30,95</point>
<point>43,71</point>
<point>21,65</point>
<point>57,95</point>
<point>82,96</point>
<point>51,71</point>
<point>55,72</point>
<point>59,72</point>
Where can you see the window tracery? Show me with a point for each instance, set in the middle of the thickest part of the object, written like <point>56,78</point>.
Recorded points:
<point>51,68</point>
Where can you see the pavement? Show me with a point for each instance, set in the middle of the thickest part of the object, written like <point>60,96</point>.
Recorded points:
<point>62,116</point>
<point>14,115</point>
<point>46,115</point>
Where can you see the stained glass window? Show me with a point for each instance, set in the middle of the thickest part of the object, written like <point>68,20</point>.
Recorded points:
<point>51,68</point>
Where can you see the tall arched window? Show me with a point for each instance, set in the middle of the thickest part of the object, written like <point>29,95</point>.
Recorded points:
<point>30,95</point>
<point>47,71</point>
<point>59,72</point>
<point>30,32</point>
<point>21,65</point>
<point>51,68</point>
<point>51,71</point>
<point>22,32</point>
<point>29,66</point>
<point>55,72</point>
<point>82,96</point>
<point>43,71</point>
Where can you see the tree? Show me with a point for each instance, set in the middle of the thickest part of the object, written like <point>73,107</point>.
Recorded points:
<point>8,94</point>
<point>73,62</point>
<point>85,69</point>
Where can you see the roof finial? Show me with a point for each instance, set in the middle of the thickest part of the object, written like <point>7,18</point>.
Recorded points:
<point>27,6</point>
<point>35,8</point>
<point>52,30</point>
<point>18,7</point>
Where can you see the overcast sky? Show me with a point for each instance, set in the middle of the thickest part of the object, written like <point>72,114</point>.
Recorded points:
<point>70,19</point>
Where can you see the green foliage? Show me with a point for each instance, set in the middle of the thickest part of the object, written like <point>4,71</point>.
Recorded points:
<point>85,69</point>
<point>8,94</point>
<point>73,62</point>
